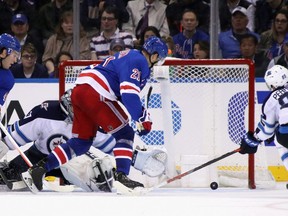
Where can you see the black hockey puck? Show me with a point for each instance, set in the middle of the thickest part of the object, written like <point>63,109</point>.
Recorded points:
<point>214,185</point>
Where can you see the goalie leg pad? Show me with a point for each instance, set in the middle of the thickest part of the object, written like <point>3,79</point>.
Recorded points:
<point>80,170</point>
<point>151,163</point>
<point>103,173</point>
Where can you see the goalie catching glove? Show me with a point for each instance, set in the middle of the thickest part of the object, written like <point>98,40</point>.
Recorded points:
<point>249,144</point>
<point>144,123</point>
<point>151,163</point>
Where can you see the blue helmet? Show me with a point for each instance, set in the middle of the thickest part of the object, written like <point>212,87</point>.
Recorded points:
<point>10,43</point>
<point>156,45</point>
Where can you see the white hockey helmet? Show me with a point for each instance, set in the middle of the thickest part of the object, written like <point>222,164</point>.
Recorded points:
<point>276,76</point>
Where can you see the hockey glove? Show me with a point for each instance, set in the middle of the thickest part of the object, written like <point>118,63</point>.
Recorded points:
<point>152,163</point>
<point>144,123</point>
<point>249,144</point>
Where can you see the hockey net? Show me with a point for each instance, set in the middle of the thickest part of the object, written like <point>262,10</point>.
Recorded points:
<point>200,108</point>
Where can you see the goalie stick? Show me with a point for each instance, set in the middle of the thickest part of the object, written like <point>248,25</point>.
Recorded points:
<point>121,189</point>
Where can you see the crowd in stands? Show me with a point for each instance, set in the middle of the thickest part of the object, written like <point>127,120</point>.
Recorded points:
<point>253,29</point>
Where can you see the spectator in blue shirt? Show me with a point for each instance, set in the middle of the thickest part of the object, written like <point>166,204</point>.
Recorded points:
<point>185,40</point>
<point>229,41</point>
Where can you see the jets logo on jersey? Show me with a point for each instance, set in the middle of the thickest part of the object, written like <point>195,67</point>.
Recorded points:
<point>56,140</point>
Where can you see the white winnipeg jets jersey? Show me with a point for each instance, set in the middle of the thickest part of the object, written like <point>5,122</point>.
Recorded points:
<point>274,111</point>
<point>46,125</point>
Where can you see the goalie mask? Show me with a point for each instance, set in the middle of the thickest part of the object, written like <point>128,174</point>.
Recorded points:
<point>66,105</point>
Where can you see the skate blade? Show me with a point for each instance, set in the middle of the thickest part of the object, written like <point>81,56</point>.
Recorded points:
<point>27,179</point>
<point>18,185</point>
<point>54,186</point>
<point>123,190</point>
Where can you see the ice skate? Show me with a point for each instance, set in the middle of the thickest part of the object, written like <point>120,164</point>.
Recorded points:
<point>33,178</point>
<point>9,177</point>
<point>122,178</point>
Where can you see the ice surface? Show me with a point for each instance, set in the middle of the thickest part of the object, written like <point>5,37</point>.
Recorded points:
<point>162,201</point>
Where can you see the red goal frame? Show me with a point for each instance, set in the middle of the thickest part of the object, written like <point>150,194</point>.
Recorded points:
<point>251,109</point>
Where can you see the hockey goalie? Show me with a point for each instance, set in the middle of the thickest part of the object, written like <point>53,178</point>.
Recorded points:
<point>93,171</point>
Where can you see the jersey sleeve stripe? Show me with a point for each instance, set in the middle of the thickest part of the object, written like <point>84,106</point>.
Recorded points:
<point>127,87</point>
<point>19,132</point>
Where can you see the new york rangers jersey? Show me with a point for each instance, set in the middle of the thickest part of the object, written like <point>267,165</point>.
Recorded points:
<point>47,126</point>
<point>119,77</point>
<point>6,84</point>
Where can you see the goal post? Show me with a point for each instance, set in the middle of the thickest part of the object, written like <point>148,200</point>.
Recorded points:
<point>200,110</point>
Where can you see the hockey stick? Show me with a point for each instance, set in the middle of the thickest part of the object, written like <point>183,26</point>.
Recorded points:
<point>148,96</point>
<point>127,191</point>
<point>25,158</point>
<point>194,169</point>
<point>16,185</point>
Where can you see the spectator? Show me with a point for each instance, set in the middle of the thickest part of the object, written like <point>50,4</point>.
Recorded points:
<point>29,68</point>
<point>281,59</point>
<point>225,12</point>
<point>248,49</point>
<point>116,45</point>
<point>170,43</point>
<point>184,41</point>
<point>272,41</point>
<point>120,4</point>
<point>90,11</point>
<point>99,46</point>
<point>156,17</point>
<point>8,8</point>
<point>229,41</point>
<point>148,32</point>
<point>49,16</point>
<point>61,56</point>
<point>265,13</point>
<point>20,29</point>
<point>201,50</point>
<point>175,10</point>
<point>62,40</point>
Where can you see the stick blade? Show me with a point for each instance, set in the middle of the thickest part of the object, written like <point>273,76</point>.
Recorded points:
<point>123,190</point>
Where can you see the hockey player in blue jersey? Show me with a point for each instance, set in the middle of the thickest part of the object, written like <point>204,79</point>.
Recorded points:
<point>10,51</point>
<point>10,54</point>
<point>50,124</point>
<point>274,117</point>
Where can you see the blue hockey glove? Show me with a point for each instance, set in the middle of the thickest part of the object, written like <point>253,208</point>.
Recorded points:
<point>144,123</point>
<point>249,144</point>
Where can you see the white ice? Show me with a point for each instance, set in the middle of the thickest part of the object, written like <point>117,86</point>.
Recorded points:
<point>162,201</point>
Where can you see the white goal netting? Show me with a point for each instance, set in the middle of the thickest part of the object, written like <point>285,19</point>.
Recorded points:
<point>200,110</point>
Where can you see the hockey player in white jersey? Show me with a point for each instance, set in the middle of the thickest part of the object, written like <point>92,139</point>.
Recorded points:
<point>274,117</point>
<point>50,124</point>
